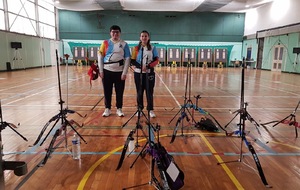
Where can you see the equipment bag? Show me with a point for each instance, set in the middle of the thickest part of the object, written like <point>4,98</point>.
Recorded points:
<point>165,161</point>
<point>207,124</point>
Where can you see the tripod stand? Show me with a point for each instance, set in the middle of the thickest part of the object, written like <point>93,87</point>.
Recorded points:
<point>19,167</point>
<point>17,59</point>
<point>143,77</point>
<point>202,111</point>
<point>187,103</point>
<point>244,115</point>
<point>290,120</point>
<point>125,147</point>
<point>62,128</point>
<point>150,141</point>
<point>160,182</point>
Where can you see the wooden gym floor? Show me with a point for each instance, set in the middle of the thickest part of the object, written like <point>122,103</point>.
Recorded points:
<point>30,98</point>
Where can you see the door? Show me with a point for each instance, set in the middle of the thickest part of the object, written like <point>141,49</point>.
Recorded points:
<point>277,58</point>
<point>260,53</point>
<point>249,51</point>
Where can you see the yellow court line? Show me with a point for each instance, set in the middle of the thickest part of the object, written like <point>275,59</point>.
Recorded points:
<point>284,144</point>
<point>96,164</point>
<point>224,166</point>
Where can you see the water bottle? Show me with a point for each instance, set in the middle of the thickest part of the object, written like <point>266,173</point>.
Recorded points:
<point>76,147</point>
<point>131,145</point>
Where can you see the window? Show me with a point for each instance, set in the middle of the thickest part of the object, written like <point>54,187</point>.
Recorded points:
<point>46,11</point>
<point>2,21</point>
<point>47,4</point>
<point>22,25</point>
<point>46,16</point>
<point>22,17</point>
<point>21,7</point>
<point>47,31</point>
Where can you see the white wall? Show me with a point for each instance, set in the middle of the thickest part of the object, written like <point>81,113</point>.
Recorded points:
<point>35,51</point>
<point>272,15</point>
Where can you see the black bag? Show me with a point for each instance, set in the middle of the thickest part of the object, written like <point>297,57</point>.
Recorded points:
<point>164,160</point>
<point>207,124</point>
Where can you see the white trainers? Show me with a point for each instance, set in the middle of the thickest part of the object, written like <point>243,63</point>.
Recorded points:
<point>120,113</point>
<point>106,112</point>
<point>137,114</point>
<point>152,114</point>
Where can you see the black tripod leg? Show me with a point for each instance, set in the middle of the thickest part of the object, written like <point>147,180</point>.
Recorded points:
<point>176,115</point>
<point>68,123</point>
<point>149,124</point>
<point>129,119</point>
<point>295,123</point>
<point>140,154</point>
<point>256,124</point>
<point>145,116</point>
<point>138,126</point>
<point>191,116</point>
<point>231,120</point>
<point>175,130</point>
<point>281,120</point>
<point>9,125</point>
<point>182,135</point>
<point>143,151</point>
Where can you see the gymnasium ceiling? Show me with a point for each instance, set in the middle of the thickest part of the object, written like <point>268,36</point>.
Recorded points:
<point>161,5</point>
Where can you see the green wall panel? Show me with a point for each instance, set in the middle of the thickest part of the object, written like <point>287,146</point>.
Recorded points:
<point>288,42</point>
<point>163,26</point>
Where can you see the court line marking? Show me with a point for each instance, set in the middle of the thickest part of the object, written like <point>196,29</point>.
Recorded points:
<point>96,164</point>
<point>161,80</point>
<point>86,176</point>
<point>213,151</point>
<point>224,166</point>
<point>284,144</point>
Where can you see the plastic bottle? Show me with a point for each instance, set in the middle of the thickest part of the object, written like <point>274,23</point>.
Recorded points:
<point>131,145</point>
<point>76,152</point>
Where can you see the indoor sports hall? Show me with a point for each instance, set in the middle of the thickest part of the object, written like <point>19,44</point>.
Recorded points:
<point>226,95</point>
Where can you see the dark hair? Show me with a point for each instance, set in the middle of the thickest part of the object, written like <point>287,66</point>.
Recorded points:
<point>115,27</point>
<point>148,43</point>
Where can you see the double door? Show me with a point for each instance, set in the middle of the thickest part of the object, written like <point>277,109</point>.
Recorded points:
<point>277,58</point>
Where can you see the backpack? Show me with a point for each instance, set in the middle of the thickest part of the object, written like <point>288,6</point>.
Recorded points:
<point>164,162</point>
<point>207,124</point>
